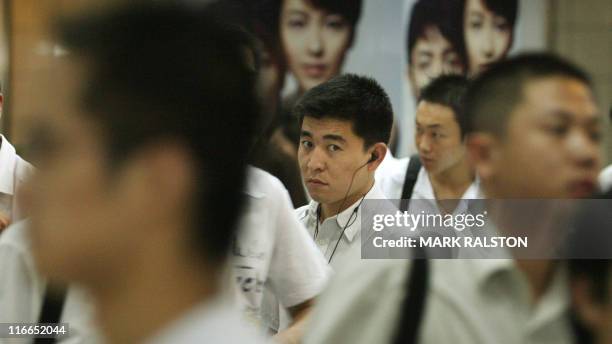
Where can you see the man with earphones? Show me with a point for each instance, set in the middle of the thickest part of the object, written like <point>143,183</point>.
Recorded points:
<point>345,125</point>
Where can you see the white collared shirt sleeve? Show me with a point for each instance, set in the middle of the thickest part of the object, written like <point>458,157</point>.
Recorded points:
<point>273,253</point>
<point>14,171</point>
<point>21,288</point>
<point>298,270</point>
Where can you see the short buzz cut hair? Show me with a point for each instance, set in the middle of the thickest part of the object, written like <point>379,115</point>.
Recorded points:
<point>495,93</point>
<point>448,90</point>
<point>164,72</point>
<point>357,99</point>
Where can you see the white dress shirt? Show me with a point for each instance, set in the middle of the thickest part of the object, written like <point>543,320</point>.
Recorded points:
<point>22,289</point>
<point>273,254</point>
<point>13,172</point>
<point>391,175</point>
<point>471,301</point>
<point>330,232</point>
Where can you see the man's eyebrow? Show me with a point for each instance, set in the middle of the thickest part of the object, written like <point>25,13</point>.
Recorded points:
<point>293,11</point>
<point>429,126</point>
<point>334,137</point>
<point>305,133</point>
<point>567,116</point>
<point>425,53</point>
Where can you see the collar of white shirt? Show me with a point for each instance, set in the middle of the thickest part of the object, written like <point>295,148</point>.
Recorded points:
<point>553,303</point>
<point>8,157</point>
<point>345,216</point>
<point>424,190</point>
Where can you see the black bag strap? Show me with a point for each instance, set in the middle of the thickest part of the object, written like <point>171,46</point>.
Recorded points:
<point>413,306</point>
<point>412,173</point>
<point>51,311</point>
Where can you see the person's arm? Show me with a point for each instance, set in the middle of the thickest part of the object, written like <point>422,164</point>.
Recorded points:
<point>298,270</point>
<point>300,314</point>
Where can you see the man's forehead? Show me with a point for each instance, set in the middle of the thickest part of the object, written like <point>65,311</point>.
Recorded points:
<point>555,94</point>
<point>60,87</point>
<point>429,113</point>
<point>323,126</point>
<point>432,35</point>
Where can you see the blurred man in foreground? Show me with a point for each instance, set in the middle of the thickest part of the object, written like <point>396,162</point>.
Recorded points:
<point>142,170</point>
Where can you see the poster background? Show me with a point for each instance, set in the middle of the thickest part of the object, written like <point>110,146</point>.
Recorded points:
<point>379,51</point>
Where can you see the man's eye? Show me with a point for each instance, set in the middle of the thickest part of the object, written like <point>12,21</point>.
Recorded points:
<point>306,144</point>
<point>333,148</point>
<point>423,65</point>
<point>476,25</point>
<point>558,129</point>
<point>595,135</point>
<point>296,23</point>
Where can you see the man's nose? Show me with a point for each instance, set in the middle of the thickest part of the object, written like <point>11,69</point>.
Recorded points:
<point>584,151</point>
<point>316,161</point>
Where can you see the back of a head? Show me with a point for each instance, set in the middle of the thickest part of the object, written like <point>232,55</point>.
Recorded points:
<point>450,91</point>
<point>495,93</point>
<point>163,72</point>
<point>357,99</point>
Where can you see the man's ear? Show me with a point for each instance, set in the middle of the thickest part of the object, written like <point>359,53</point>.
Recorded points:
<point>481,152</point>
<point>377,154</point>
<point>167,176</point>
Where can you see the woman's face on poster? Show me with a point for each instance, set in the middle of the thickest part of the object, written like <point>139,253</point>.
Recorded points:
<point>488,36</point>
<point>314,41</point>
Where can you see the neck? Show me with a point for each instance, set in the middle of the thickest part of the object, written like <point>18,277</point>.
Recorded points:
<point>146,298</point>
<point>335,208</point>
<point>452,182</point>
<point>539,274</point>
<point>511,220</point>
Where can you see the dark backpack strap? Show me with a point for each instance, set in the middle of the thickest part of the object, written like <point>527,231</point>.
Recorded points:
<point>51,311</point>
<point>412,173</point>
<point>413,306</point>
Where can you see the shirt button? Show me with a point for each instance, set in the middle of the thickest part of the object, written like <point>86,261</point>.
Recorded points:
<point>320,242</point>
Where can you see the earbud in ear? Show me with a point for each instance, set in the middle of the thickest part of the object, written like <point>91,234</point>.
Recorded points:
<point>373,158</point>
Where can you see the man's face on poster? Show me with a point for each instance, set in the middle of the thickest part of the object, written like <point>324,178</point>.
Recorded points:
<point>432,56</point>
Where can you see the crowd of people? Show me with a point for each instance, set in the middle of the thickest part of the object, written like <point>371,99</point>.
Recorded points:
<point>176,198</point>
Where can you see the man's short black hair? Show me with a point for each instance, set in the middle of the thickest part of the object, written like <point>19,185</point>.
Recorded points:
<point>354,98</point>
<point>448,90</point>
<point>442,14</point>
<point>161,72</point>
<point>495,93</point>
